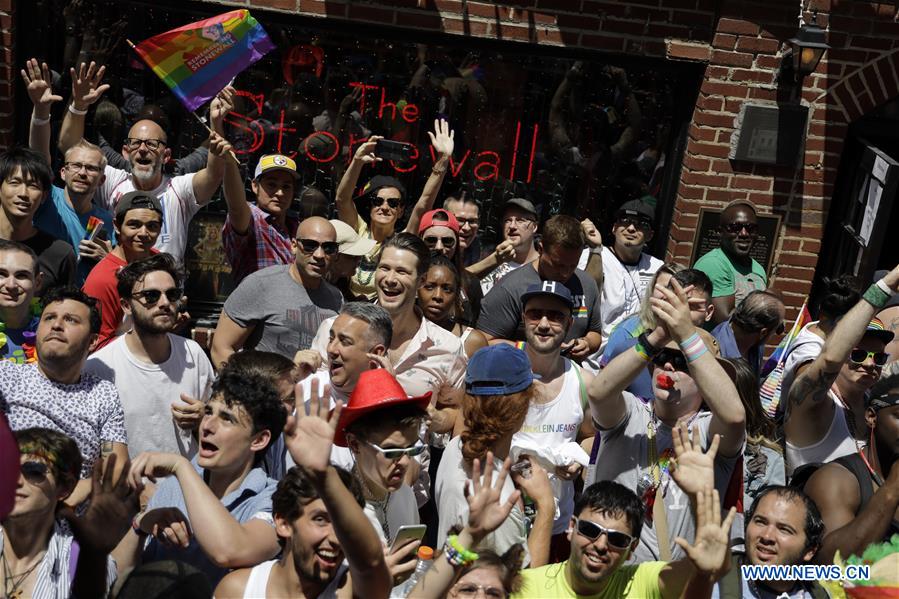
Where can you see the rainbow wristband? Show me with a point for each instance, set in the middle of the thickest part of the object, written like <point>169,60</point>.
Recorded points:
<point>693,347</point>
<point>641,351</point>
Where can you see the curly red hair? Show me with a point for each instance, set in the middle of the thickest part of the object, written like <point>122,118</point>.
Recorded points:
<point>491,417</point>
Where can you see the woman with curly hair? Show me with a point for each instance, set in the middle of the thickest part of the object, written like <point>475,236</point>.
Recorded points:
<point>498,390</point>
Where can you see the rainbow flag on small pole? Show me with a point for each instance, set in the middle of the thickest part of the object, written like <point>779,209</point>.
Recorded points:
<point>773,370</point>
<point>199,59</point>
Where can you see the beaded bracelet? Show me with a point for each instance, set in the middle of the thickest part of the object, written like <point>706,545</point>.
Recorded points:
<point>693,347</point>
<point>876,296</point>
<point>456,554</point>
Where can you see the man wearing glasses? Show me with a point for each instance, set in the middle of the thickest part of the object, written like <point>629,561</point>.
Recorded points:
<point>146,148</point>
<point>519,225</point>
<point>825,412</point>
<point>138,221</point>
<point>150,366</point>
<point>732,269</point>
<point>280,308</point>
<point>69,212</point>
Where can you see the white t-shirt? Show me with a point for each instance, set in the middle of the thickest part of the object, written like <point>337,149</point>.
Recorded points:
<point>148,390</point>
<point>553,424</point>
<point>452,507</point>
<point>805,348</point>
<point>623,287</point>
<point>179,204</point>
<point>402,509</point>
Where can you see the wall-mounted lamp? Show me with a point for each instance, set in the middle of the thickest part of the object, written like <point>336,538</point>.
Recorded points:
<point>806,50</point>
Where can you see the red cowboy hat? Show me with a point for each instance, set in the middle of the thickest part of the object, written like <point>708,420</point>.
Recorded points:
<point>377,389</point>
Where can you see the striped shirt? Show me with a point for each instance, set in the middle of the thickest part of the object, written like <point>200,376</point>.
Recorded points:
<point>56,572</point>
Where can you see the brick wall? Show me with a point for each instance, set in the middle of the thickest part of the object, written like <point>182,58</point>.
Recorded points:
<point>741,43</point>
<point>8,72</point>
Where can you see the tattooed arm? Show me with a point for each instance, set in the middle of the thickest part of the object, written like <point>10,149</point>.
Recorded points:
<point>808,414</point>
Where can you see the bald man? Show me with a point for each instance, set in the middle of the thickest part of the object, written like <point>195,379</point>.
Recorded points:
<point>279,308</point>
<point>146,149</point>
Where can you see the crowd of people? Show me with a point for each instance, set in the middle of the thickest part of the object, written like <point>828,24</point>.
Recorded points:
<point>390,406</point>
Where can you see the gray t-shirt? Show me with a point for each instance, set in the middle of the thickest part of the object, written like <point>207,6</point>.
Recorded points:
<point>501,308</point>
<point>624,457</point>
<point>286,314</point>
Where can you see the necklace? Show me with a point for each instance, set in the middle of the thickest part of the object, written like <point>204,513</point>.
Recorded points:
<point>878,480</point>
<point>15,592</point>
<point>379,505</point>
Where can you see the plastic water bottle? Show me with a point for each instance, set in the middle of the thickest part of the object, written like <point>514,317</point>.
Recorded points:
<point>425,559</point>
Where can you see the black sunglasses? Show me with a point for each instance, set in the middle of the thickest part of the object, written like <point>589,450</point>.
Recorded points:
<point>152,296</point>
<point>736,228</point>
<point>639,223</point>
<point>536,315</point>
<point>310,245</point>
<point>432,240</point>
<point>34,471</point>
<point>592,530</point>
<point>859,356</point>
<point>674,357</point>
<point>377,202</point>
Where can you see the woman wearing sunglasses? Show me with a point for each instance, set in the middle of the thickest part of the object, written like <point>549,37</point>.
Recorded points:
<point>382,427</point>
<point>440,231</point>
<point>438,298</point>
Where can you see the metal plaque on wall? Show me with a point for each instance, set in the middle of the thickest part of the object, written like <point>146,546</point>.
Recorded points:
<point>768,133</point>
<point>707,237</point>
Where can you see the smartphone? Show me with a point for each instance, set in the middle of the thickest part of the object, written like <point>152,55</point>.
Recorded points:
<point>407,532</point>
<point>394,150</point>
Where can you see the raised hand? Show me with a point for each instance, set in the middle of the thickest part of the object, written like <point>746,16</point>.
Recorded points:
<point>307,361</point>
<point>309,437</point>
<point>153,464</point>
<point>218,145</point>
<point>710,551</point>
<point>87,86</point>
<point>672,309</point>
<point>693,470</point>
<point>220,106</point>
<point>442,138</point>
<point>188,413</point>
<point>486,510</point>
<point>593,236</point>
<point>37,83</point>
<point>376,361</point>
<point>365,153</point>
<point>112,506</point>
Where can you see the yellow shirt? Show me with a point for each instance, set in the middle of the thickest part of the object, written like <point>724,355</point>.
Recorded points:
<point>639,581</point>
<point>362,283</point>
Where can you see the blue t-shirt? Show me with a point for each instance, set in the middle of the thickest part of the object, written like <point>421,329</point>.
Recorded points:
<point>55,217</point>
<point>727,345</point>
<point>624,337</point>
<point>253,499</point>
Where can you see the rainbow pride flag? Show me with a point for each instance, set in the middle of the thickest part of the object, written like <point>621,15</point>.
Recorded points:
<point>93,224</point>
<point>773,370</point>
<point>199,59</point>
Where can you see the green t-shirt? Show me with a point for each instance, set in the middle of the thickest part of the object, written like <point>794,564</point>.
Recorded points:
<point>729,278</point>
<point>638,581</point>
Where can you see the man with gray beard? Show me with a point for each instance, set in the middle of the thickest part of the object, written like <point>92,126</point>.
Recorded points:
<point>146,148</point>
<point>152,367</point>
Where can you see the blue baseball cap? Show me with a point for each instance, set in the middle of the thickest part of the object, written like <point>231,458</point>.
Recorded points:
<point>498,370</point>
<point>550,288</point>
